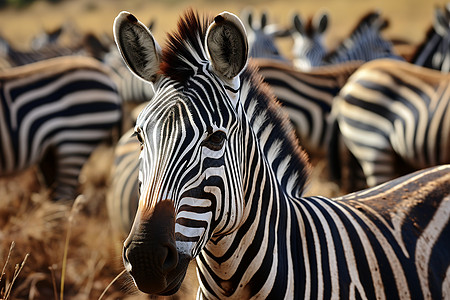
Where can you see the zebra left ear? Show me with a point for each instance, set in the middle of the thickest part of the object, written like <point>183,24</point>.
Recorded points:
<point>138,47</point>
<point>227,45</point>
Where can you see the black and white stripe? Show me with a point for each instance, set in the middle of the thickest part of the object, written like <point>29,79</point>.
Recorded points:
<point>392,114</point>
<point>434,51</point>
<point>59,109</point>
<point>222,178</point>
<point>307,97</point>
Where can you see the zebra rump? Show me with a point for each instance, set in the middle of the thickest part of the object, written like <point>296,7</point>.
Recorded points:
<point>394,117</point>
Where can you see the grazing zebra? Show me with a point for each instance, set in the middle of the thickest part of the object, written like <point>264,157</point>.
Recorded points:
<point>308,50</point>
<point>222,177</point>
<point>434,51</point>
<point>391,114</point>
<point>261,37</point>
<point>55,112</point>
<point>365,43</point>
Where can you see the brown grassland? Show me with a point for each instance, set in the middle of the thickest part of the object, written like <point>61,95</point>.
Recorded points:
<point>75,244</point>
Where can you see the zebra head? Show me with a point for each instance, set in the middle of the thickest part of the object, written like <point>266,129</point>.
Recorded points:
<point>189,169</point>
<point>261,36</point>
<point>308,49</point>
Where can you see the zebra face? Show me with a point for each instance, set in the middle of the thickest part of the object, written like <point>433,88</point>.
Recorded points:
<point>189,171</point>
<point>308,50</point>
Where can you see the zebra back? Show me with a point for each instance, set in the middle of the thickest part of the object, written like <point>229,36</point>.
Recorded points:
<point>365,42</point>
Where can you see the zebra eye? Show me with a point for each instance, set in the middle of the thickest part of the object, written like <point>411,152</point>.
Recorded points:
<point>138,134</point>
<point>215,140</point>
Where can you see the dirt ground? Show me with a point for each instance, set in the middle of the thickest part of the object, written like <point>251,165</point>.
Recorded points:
<point>75,243</point>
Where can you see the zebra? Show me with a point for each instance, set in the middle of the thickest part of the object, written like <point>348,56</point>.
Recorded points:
<point>222,181</point>
<point>394,116</point>
<point>54,113</point>
<point>365,43</point>
<point>262,36</point>
<point>308,49</point>
<point>434,51</point>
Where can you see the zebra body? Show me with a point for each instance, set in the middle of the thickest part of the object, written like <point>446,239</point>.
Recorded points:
<point>222,177</point>
<point>59,109</point>
<point>392,113</point>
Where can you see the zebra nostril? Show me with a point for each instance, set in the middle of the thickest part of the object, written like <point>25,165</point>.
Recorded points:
<point>171,260</point>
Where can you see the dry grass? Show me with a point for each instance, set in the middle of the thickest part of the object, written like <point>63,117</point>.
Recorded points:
<point>72,250</point>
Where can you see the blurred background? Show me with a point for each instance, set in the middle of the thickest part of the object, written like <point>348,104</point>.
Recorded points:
<point>20,20</point>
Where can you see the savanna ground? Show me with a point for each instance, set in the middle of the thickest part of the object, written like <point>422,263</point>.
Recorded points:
<point>74,244</point>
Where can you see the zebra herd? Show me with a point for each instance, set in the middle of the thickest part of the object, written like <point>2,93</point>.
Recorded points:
<point>216,166</point>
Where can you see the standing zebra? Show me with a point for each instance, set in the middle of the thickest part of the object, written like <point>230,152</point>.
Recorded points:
<point>392,114</point>
<point>222,175</point>
<point>55,112</point>
<point>306,96</point>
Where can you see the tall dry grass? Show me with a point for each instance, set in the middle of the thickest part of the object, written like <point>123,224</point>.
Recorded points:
<point>73,252</point>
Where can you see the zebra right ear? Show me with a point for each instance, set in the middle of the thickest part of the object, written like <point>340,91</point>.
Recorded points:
<point>138,47</point>
<point>227,45</point>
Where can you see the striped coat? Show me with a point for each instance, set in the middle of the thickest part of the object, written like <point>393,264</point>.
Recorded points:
<point>55,113</point>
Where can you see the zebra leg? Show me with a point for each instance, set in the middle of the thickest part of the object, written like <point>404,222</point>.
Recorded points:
<point>70,159</point>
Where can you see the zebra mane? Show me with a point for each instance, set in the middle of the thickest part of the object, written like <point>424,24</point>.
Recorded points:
<point>280,145</point>
<point>185,47</point>
<point>185,51</point>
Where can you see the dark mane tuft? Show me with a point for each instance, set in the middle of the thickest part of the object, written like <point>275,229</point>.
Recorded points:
<point>284,132</point>
<point>191,33</point>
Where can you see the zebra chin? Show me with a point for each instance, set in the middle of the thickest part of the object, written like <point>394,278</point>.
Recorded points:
<point>150,255</point>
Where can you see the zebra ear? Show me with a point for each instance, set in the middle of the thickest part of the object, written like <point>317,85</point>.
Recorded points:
<point>321,22</point>
<point>298,24</point>
<point>227,45</point>
<point>137,46</point>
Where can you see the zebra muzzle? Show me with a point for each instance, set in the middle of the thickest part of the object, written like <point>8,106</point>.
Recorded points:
<point>150,254</point>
